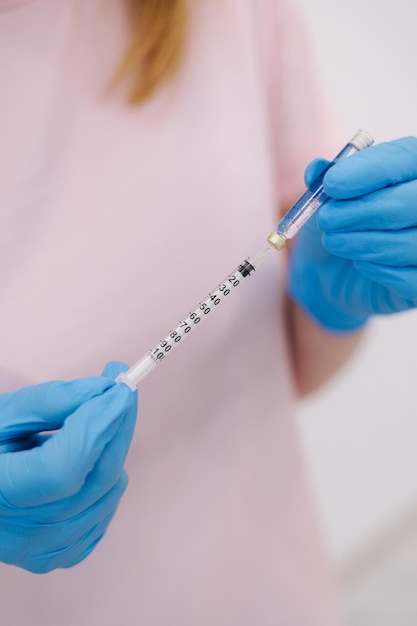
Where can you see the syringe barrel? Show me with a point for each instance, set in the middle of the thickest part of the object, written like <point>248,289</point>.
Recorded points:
<point>149,361</point>
<point>139,370</point>
<point>314,196</point>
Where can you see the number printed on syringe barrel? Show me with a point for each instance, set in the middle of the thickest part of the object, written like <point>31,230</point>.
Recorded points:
<point>140,369</point>
<point>201,310</point>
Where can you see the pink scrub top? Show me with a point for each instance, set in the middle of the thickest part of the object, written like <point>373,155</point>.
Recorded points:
<point>114,222</point>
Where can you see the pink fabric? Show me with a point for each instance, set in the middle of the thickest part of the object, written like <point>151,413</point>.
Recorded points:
<point>114,221</point>
<point>8,5</point>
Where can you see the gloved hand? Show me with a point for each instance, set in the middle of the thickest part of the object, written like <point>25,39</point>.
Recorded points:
<point>58,492</point>
<point>358,256</point>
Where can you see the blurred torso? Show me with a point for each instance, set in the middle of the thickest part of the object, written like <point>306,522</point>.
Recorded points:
<point>114,222</point>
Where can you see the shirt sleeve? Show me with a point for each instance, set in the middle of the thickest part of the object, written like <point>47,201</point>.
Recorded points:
<point>303,125</point>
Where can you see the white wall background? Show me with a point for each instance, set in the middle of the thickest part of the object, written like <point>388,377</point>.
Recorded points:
<point>360,432</point>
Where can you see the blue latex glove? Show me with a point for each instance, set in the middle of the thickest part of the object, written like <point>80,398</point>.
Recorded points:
<point>358,256</point>
<point>59,491</point>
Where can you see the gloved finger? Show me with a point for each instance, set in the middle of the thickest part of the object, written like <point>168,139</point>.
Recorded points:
<point>58,469</point>
<point>392,208</point>
<point>71,554</point>
<point>46,406</point>
<point>376,167</point>
<point>31,538</point>
<point>315,169</point>
<point>25,443</point>
<point>109,467</point>
<point>87,544</point>
<point>400,281</point>
<point>396,249</point>
<point>69,530</point>
<point>100,480</point>
<point>83,529</point>
<point>34,409</point>
<point>114,368</point>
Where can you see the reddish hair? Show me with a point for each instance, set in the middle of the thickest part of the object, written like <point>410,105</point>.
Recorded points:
<point>156,46</point>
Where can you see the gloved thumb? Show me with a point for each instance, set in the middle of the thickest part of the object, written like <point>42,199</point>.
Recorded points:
<point>114,368</point>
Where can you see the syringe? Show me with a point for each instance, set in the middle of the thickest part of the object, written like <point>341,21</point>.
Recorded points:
<point>289,225</point>
<point>314,197</point>
<point>146,364</point>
